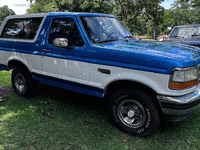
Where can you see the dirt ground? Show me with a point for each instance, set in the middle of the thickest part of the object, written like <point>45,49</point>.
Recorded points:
<point>5,91</point>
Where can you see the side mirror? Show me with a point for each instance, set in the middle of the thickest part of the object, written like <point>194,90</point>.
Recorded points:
<point>60,42</point>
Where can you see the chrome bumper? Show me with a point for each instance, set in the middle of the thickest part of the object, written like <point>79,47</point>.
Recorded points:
<point>179,108</point>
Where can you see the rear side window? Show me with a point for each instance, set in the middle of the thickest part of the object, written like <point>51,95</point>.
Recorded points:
<point>25,28</point>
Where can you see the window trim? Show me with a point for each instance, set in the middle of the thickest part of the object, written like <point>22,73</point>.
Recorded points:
<point>77,25</point>
<point>83,28</point>
<point>43,16</point>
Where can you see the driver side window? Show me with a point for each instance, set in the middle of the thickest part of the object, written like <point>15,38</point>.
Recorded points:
<point>65,28</point>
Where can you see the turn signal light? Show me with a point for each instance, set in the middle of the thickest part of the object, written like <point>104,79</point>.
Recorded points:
<point>183,85</point>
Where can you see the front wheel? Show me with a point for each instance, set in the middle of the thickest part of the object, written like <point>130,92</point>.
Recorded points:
<point>22,82</point>
<point>134,112</point>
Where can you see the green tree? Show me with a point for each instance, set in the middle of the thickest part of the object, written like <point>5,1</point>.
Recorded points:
<point>154,13</point>
<point>42,6</point>
<point>4,12</point>
<point>194,9</point>
<point>138,27</point>
<point>137,13</point>
<point>98,6</point>
<point>168,21</point>
<point>183,12</point>
<point>129,12</point>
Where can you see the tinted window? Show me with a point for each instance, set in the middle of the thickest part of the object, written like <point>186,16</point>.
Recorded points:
<point>25,29</point>
<point>185,32</point>
<point>65,28</point>
<point>104,29</point>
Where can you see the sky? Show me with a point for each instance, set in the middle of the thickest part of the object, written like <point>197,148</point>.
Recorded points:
<point>167,3</point>
<point>20,6</point>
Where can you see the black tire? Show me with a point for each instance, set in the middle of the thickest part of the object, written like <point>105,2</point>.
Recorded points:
<point>22,82</point>
<point>134,112</point>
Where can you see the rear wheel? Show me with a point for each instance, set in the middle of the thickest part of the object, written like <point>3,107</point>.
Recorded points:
<point>134,112</point>
<point>22,82</point>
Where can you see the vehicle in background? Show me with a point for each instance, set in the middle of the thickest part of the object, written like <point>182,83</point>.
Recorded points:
<point>185,34</point>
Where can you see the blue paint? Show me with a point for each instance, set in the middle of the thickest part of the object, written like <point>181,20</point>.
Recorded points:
<point>81,88</point>
<point>78,14</point>
<point>3,67</point>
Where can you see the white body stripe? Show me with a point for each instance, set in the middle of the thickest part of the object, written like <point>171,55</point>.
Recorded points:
<point>157,82</point>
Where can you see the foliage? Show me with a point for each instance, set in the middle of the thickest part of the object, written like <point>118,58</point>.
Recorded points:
<point>136,13</point>
<point>129,10</point>
<point>42,6</point>
<point>168,21</point>
<point>148,36</point>
<point>4,12</point>
<point>184,13</point>
<point>139,27</point>
<point>100,6</point>
<point>154,13</point>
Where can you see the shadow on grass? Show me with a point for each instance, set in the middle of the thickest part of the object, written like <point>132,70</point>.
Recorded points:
<point>54,118</point>
<point>69,97</point>
<point>72,102</point>
<point>59,119</point>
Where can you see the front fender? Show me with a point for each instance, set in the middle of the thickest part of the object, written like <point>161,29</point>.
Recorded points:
<point>155,81</point>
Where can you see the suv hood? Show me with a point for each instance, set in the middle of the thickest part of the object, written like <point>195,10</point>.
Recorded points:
<point>148,55</point>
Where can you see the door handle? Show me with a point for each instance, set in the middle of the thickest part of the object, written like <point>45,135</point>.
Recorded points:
<point>46,50</point>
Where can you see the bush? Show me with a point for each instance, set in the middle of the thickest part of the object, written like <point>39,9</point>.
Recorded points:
<point>148,36</point>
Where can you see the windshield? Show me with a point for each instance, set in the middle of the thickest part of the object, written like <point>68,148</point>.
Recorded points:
<point>104,29</point>
<point>185,32</point>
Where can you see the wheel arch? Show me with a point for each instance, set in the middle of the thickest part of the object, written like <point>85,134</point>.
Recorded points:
<point>112,87</point>
<point>15,63</point>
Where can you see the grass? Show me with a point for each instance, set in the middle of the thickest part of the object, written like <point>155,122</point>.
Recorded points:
<point>5,77</point>
<point>57,119</point>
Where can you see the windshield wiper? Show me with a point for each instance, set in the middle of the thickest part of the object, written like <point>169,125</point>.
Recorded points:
<point>195,35</point>
<point>176,36</point>
<point>108,41</point>
<point>128,36</point>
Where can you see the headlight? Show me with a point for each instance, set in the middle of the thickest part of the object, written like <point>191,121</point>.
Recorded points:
<point>183,78</point>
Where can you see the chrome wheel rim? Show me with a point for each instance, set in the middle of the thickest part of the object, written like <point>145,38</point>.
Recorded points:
<point>131,113</point>
<point>20,83</point>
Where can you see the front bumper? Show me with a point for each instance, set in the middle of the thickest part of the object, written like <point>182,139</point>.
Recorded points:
<point>179,108</point>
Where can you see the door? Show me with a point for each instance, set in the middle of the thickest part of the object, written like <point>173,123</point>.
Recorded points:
<point>69,64</point>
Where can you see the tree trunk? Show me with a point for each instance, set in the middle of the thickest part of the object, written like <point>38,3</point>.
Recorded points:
<point>154,33</point>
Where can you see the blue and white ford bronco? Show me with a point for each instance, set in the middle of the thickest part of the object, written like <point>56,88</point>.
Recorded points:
<point>91,53</point>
